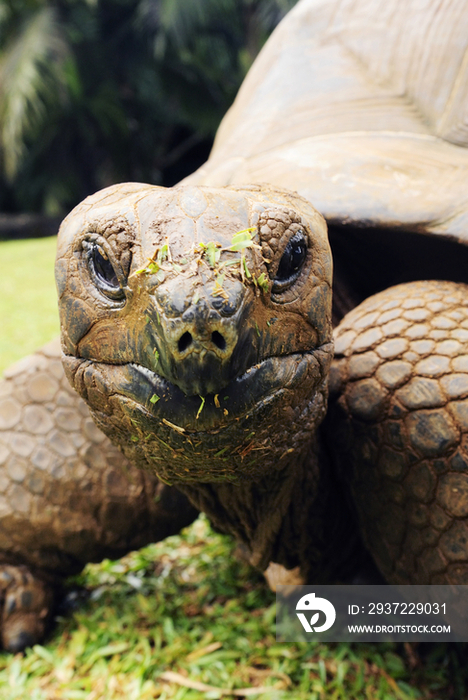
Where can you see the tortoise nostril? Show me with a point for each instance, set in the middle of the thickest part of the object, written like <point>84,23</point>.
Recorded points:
<point>184,342</point>
<point>218,340</point>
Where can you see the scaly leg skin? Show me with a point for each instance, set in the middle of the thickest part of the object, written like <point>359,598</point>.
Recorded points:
<point>67,495</point>
<point>398,428</point>
<point>26,601</point>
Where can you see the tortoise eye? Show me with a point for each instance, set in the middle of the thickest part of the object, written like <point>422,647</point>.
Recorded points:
<point>291,263</point>
<point>102,271</point>
<point>103,268</point>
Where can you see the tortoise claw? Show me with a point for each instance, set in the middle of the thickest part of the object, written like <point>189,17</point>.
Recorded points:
<point>27,603</point>
<point>20,640</point>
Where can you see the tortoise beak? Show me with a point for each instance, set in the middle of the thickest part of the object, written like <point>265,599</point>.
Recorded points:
<point>203,349</point>
<point>203,342</point>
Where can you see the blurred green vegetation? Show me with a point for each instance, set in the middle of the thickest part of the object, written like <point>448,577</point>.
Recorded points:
<point>28,299</point>
<point>94,92</point>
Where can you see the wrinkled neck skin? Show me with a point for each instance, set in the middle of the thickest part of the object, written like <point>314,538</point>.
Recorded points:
<point>296,517</point>
<point>264,478</point>
<point>196,324</point>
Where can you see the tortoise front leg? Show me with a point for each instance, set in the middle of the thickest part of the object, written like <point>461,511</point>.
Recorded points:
<point>398,428</point>
<point>27,601</point>
<point>67,495</point>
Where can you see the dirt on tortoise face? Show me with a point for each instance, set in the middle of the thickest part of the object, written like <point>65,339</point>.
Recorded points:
<point>196,323</point>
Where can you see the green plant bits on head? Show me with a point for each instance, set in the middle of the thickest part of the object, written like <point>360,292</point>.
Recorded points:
<point>201,407</point>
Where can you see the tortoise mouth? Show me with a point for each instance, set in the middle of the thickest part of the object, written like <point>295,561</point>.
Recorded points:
<point>243,397</point>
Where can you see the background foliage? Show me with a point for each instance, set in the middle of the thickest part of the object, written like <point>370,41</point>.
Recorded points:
<point>94,92</point>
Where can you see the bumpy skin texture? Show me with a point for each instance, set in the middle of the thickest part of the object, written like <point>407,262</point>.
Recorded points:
<point>67,495</point>
<point>203,365</point>
<point>128,359</point>
<point>398,425</point>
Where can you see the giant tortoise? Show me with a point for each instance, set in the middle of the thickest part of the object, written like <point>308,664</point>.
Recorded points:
<point>197,327</point>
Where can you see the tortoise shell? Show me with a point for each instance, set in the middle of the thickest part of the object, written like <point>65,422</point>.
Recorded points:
<point>361,107</point>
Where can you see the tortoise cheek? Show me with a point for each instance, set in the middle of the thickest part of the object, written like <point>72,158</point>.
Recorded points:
<point>319,305</point>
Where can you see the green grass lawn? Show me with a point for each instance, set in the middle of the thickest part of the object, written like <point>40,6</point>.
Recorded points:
<point>28,300</point>
<point>186,612</point>
<point>184,619</point>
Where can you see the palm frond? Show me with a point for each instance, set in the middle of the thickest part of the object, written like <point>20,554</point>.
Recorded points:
<point>30,67</point>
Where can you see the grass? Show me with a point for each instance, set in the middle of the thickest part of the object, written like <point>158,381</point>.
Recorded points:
<point>186,612</point>
<point>28,300</point>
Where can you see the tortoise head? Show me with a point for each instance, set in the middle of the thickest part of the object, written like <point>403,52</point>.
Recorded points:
<point>196,323</point>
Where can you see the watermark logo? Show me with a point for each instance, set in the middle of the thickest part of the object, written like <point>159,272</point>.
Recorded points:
<point>310,603</point>
<point>372,613</point>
